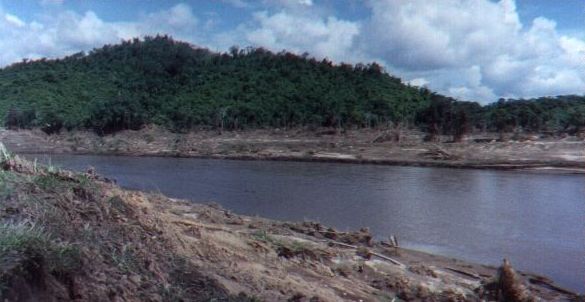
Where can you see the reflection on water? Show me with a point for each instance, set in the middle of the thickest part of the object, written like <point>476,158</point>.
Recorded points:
<point>535,220</point>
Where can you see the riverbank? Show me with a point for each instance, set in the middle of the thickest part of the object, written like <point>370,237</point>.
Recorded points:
<point>385,147</point>
<point>78,237</point>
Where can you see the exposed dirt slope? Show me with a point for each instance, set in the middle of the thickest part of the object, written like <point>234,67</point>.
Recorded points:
<point>66,236</point>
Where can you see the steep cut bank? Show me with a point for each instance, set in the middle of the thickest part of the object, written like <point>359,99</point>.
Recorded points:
<point>67,237</point>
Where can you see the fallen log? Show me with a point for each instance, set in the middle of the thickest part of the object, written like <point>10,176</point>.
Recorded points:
<point>396,262</point>
<point>468,274</point>
<point>438,153</point>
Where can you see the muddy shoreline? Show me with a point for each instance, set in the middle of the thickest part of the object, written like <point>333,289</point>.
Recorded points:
<point>353,147</point>
<point>533,166</point>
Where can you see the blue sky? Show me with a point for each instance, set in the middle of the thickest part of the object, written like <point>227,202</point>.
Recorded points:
<point>569,14</point>
<point>471,49</point>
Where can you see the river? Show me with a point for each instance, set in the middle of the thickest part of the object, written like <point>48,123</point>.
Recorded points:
<point>534,220</point>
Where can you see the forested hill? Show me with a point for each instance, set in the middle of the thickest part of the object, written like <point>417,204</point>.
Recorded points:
<point>161,81</point>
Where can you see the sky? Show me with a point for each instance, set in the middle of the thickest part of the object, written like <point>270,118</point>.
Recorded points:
<point>474,50</point>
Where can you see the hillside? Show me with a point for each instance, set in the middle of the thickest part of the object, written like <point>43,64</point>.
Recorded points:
<point>173,84</point>
<point>161,81</point>
<point>79,237</point>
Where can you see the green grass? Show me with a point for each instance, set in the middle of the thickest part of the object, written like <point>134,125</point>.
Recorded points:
<point>125,259</point>
<point>6,184</point>
<point>23,242</point>
<point>47,182</point>
<point>27,251</point>
<point>262,235</point>
<point>118,204</point>
<point>298,247</point>
<point>52,182</point>
<point>21,238</point>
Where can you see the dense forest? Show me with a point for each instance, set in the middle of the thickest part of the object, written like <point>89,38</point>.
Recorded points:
<point>157,80</point>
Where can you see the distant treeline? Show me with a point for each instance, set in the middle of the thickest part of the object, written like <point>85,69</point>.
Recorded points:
<point>161,81</point>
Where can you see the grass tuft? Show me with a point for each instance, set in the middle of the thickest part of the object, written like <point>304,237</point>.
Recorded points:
<point>125,258</point>
<point>262,235</point>
<point>25,245</point>
<point>6,185</point>
<point>46,182</point>
<point>21,237</point>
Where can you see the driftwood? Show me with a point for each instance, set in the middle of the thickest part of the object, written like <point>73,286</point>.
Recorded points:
<point>388,136</point>
<point>438,153</point>
<point>198,225</point>
<point>468,274</point>
<point>372,253</point>
<point>549,284</point>
<point>333,232</point>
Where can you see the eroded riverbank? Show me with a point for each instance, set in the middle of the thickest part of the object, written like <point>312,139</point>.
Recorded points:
<point>136,246</point>
<point>566,155</point>
<point>533,219</point>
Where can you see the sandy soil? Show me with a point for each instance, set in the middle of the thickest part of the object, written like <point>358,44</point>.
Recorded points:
<point>565,155</point>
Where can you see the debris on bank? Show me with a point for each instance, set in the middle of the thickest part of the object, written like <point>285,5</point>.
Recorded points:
<point>374,146</point>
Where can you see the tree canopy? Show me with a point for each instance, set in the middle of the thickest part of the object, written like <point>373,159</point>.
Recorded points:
<point>157,80</point>
<point>162,81</point>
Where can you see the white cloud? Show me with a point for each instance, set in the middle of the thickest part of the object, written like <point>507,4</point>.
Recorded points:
<point>58,35</point>
<point>67,32</point>
<point>474,49</point>
<point>420,82</point>
<point>14,20</point>
<point>178,17</point>
<point>322,37</point>
<point>574,49</point>
<point>419,34</point>
<point>289,3</point>
<point>82,31</point>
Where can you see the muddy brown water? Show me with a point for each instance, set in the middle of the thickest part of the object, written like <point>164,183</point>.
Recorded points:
<point>535,220</point>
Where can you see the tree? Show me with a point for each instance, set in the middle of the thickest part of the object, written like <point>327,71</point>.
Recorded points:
<point>460,125</point>
<point>17,118</point>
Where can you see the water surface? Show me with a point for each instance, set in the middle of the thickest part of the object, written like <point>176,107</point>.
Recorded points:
<point>535,220</point>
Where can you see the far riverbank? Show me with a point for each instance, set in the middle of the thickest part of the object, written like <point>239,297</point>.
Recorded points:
<point>365,146</point>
